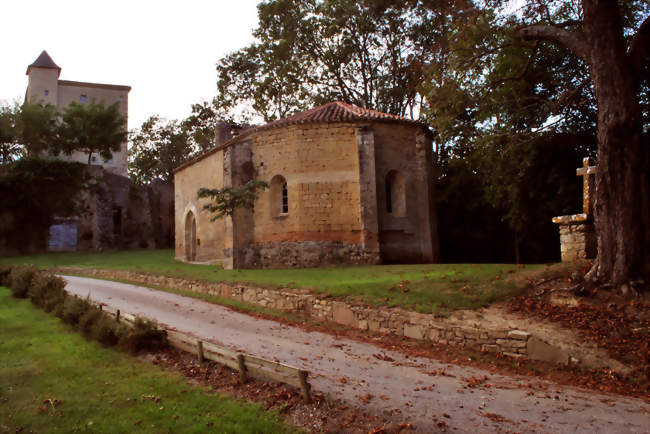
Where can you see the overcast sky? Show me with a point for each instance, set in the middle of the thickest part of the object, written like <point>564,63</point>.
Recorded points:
<point>165,50</point>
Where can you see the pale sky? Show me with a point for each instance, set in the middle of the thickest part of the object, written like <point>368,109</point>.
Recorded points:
<point>165,50</point>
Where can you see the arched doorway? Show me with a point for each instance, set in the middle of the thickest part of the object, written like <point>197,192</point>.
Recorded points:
<point>190,237</point>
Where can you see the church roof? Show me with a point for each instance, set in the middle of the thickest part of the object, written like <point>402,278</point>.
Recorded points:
<point>44,61</point>
<point>335,112</point>
<point>332,112</point>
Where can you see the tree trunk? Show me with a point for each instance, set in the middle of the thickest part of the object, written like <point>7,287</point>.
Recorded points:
<point>619,179</point>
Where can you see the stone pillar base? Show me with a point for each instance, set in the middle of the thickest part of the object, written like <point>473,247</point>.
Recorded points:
<point>578,241</point>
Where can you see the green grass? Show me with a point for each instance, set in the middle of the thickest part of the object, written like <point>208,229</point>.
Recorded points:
<point>430,287</point>
<point>42,363</point>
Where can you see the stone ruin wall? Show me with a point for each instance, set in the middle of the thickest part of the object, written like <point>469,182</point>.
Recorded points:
<point>124,215</point>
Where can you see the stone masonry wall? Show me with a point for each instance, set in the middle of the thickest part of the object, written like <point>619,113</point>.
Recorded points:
<point>305,254</point>
<point>515,343</point>
<point>578,241</point>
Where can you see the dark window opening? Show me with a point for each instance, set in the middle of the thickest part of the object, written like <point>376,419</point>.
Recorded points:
<point>83,98</point>
<point>117,221</point>
<point>285,198</point>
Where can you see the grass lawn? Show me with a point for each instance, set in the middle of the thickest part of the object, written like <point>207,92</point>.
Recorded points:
<point>425,288</point>
<point>52,379</point>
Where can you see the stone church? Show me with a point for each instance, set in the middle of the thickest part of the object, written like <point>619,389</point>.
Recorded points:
<point>348,185</point>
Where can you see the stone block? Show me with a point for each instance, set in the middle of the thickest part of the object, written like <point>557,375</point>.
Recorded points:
<point>513,355</point>
<point>363,325</point>
<point>519,335</point>
<point>540,350</point>
<point>373,325</point>
<point>343,315</point>
<point>413,331</point>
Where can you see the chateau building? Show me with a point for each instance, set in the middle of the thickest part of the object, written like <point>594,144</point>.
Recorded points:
<point>44,86</point>
<point>348,185</point>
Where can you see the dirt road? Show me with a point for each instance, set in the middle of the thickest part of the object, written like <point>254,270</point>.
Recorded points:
<point>416,390</point>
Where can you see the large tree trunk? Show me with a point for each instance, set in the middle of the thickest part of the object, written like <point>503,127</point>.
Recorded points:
<point>618,207</point>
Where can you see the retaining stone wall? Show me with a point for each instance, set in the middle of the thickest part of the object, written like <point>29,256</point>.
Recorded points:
<point>515,343</point>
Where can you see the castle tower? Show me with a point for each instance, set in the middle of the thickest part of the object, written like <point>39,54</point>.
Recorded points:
<point>43,80</point>
<point>44,86</point>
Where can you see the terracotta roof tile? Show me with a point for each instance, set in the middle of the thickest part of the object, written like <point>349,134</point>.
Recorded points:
<point>335,112</point>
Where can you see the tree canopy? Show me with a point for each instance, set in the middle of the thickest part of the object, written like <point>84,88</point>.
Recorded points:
<point>371,53</point>
<point>157,148</point>
<point>92,128</point>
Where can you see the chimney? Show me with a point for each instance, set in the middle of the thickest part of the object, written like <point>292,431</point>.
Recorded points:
<point>222,133</point>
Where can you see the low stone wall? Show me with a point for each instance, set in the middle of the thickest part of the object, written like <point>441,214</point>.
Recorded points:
<point>515,343</point>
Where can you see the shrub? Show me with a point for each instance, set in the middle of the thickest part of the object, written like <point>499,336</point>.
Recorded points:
<point>89,318</point>
<point>20,279</point>
<point>145,336</point>
<point>47,290</point>
<point>4,274</point>
<point>106,330</point>
<point>73,309</point>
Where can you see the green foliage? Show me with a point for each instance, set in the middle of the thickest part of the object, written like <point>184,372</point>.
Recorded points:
<point>37,127</point>
<point>372,53</point>
<point>34,191</point>
<point>73,309</point>
<point>145,336</point>
<point>199,126</point>
<point>107,331</point>
<point>92,128</point>
<point>89,318</point>
<point>157,148</point>
<point>5,270</point>
<point>100,389</point>
<point>47,291</point>
<point>226,200</point>
<point>20,280</point>
<point>10,147</point>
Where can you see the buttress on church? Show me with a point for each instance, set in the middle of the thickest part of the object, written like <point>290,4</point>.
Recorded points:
<point>348,185</point>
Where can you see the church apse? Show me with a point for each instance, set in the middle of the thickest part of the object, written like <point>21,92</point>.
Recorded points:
<point>326,169</point>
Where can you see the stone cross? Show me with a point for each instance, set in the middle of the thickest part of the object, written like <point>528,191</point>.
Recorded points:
<point>588,185</point>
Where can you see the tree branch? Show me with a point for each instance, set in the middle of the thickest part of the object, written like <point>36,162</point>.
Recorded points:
<point>574,41</point>
<point>639,53</point>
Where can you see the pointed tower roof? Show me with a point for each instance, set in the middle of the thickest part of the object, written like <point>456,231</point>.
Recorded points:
<point>44,61</point>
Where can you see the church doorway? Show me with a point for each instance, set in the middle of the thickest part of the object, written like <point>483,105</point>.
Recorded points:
<point>190,237</point>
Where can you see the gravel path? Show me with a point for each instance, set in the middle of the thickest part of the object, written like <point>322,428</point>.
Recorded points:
<point>416,390</point>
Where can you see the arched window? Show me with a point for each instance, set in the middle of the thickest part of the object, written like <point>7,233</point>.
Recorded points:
<point>395,194</point>
<point>190,237</point>
<point>279,196</point>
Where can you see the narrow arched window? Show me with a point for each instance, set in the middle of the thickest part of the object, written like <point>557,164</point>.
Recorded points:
<point>279,196</point>
<point>395,194</point>
<point>285,198</point>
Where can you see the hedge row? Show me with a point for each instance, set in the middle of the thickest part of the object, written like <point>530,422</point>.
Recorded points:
<point>48,292</point>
